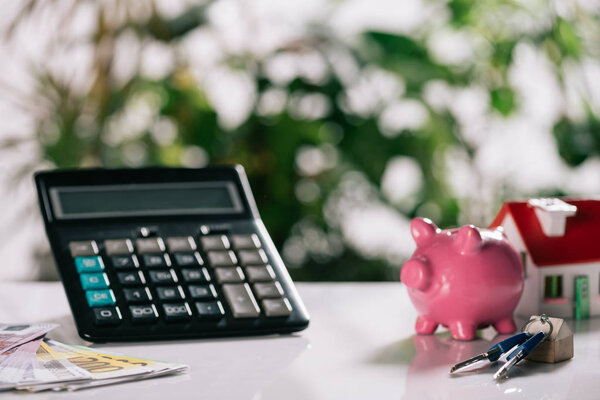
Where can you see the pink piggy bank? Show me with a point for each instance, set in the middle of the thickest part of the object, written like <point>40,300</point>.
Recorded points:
<point>463,279</point>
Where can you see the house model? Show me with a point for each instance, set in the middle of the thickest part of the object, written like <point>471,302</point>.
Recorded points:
<point>560,252</point>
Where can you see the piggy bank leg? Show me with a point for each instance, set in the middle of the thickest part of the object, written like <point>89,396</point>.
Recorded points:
<point>425,326</point>
<point>506,325</point>
<point>463,330</point>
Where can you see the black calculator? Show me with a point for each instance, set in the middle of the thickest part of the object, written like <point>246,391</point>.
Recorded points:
<point>165,253</point>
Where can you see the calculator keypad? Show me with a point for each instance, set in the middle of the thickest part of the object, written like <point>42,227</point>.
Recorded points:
<point>179,278</point>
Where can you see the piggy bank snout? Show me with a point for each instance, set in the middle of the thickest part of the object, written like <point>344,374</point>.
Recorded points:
<point>416,274</point>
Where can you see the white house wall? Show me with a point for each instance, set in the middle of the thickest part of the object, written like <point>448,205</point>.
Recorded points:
<point>530,300</point>
<point>569,273</point>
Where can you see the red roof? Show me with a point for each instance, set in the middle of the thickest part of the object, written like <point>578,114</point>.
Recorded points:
<point>580,244</point>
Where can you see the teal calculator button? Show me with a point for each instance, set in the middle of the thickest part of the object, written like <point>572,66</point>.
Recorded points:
<point>94,281</point>
<point>100,298</point>
<point>89,264</point>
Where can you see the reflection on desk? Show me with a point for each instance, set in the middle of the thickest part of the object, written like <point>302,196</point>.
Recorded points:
<point>360,345</point>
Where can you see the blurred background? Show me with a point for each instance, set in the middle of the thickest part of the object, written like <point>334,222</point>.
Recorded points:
<point>350,116</point>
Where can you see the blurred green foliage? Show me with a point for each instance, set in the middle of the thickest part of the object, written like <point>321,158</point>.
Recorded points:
<point>268,145</point>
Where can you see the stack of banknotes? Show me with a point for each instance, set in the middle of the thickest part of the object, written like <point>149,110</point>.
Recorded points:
<point>30,362</point>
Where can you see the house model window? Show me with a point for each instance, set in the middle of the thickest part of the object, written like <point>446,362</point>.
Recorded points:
<point>557,242</point>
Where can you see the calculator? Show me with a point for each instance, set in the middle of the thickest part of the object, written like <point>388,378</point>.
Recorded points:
<point>165,253</point>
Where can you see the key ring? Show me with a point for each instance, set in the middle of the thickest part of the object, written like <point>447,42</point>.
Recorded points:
<point>544,320</point>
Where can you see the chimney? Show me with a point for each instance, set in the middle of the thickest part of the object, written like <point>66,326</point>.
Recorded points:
<point>552,214</point>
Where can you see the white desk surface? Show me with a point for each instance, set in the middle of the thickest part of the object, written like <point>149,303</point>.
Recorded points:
<point>360,345</point>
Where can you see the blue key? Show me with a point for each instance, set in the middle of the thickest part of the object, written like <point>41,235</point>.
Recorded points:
<point>520,353</point>
<point>100,298</point>
<point>89,264</point>
<point>94,281</point>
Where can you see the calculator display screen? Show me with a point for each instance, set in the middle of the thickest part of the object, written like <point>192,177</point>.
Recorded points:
<point>100,201</point>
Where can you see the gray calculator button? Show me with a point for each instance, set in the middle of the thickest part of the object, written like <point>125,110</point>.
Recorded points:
<point>277,307</point>
<point>118,247</point>
<point>150,245</point>
<point>221,258</point>
<point>83,248</point>
<point>162,276</point>
<point>245,241</point>
<point>177,311</point>
<point>143,313</point>
<point>214,242</point>
<point>229,274</point>
<point>250,257</point>
<point>181,244</point>
<point>268,290</point>
<point>241,301</point>
<point>260,273</point>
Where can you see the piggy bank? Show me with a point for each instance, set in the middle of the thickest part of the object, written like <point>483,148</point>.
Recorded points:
<point>464,279</point>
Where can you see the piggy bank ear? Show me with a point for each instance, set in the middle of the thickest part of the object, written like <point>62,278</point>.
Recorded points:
<point>468,239</point>
<point>416,274</point>
<point>422,229</point>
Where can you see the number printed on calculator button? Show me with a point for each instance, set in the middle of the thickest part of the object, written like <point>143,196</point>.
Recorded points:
<point>107,316</point>
<point>195,275</point>
<point>170,293</point>
<point>156,260</point>
<point>162,276</point>
<point>132,278</point>
<point>176,311</point>
<point>188,259</point>
<point>143,313</point>
<point>137,295</point>
<point>124,262</point>
<point>202,292</point>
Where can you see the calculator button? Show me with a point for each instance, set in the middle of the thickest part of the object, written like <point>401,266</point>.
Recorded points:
<point>84,248</point>
<point>250,257</point>
<point>177,311</point>
<point>122,262</point>
<point>170,293</point>
<point>137,295</point>
<point>188,259</point>
<point>94,281</point>
<point>145,313</point>
<point>107,316</point>
<point>229,275</point>
<point>118,246</point>
<point>100,298</point>
<point>214,242</point>
<point>89,264</point>
<point>245,241</point>
<point>277,307</point>
<point>202,292</point>
<point>150,245</point>
<point>195,275</point>
<point>240,299</point>
<point>166,276</point>
<point>156,260</point>
<point>268,290</point>
<point>181,244</point>
<point>260,273</point>
<point>221,258</point>
<point>210,310</point>
<point>132,278</point>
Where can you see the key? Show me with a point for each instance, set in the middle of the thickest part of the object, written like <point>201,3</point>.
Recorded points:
<point>520,353</point>
<point>494,352</point>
